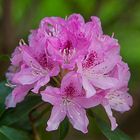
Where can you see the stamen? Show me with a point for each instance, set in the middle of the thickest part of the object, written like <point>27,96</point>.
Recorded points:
<point>68,51</point>
<point>8,84</point>
<point>22,42</point>
<point>66,17</point>
<point>38,70</point>
<point>112,35</point>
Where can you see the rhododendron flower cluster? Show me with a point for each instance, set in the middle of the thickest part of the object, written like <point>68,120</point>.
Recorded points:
<point>84,64</point>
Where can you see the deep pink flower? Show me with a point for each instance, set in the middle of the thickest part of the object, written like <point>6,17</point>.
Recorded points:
<point>69,100</point>
<point>37,69</point>
<point>68,39</point>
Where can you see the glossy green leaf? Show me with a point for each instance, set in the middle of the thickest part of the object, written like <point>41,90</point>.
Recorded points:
<point>63,130</point>
<point>22,110</point>
<point>106,130</point>
<point>8,133</point>
<point>4,91</point>
<point>2,137</point>
<point>44,135</point>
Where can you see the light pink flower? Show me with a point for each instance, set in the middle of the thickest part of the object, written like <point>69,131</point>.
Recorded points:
<point>101,58</point>
<point>118,98</point>
<point>69,100</point>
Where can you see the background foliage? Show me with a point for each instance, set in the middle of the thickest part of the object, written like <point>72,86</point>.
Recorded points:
<point>17,17</point>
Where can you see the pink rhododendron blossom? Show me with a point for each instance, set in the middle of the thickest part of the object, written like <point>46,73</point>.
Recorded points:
<point>68,39</point>
<point>37,69</point>
<point>20,91</point>
<point>74,67</point>
<point>69,100</point>
<point>95,66</point>
<point>118,98</point>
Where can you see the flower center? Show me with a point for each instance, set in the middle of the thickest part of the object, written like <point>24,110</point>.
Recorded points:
<point>51,30</point>
<point>42,59</point>
<point>70,91</point>
<point>90,60</point>
<point>68,51</point>
<point>66,100</point>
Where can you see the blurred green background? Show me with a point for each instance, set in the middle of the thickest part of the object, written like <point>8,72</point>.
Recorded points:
<point>122,17</point>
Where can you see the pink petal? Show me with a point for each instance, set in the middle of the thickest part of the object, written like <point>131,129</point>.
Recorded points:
<point>51,95</point>
<point>25,77</point>
<point>16,60</point>
<point>89,102</point>
<point>57,115</point>
<point>110,45</point>
<point>17,95</point>
<point>77,18</point>
<point>55,71</point>
<point>103,81</point>
<point>54,21</point>
<point>53,48</point>
<point>90,90</point>
<point>16,56</point>
<point>74,22</point>
<point>129,99</point>
<point>123,75</point>
<point>97,25</point>
<point>27,53</point>
<point>93,28</point>
<point>106,66</point>
<point>43,81</point>
<point>77,116</point>
<point>37,40</point>
<point>70,66</point>
<point>73,80</point>
<point>119,101</point>
<point>110,115</point>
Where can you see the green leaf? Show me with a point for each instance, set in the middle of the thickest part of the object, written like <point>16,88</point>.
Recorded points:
<point>64,128</point>
<point>4,91</point>
<point>106,130</point>
<point>8,133</point>
<point>2,137</point>
<point>22,110</point>
<point>44,135</point>
<point>4,58</point>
